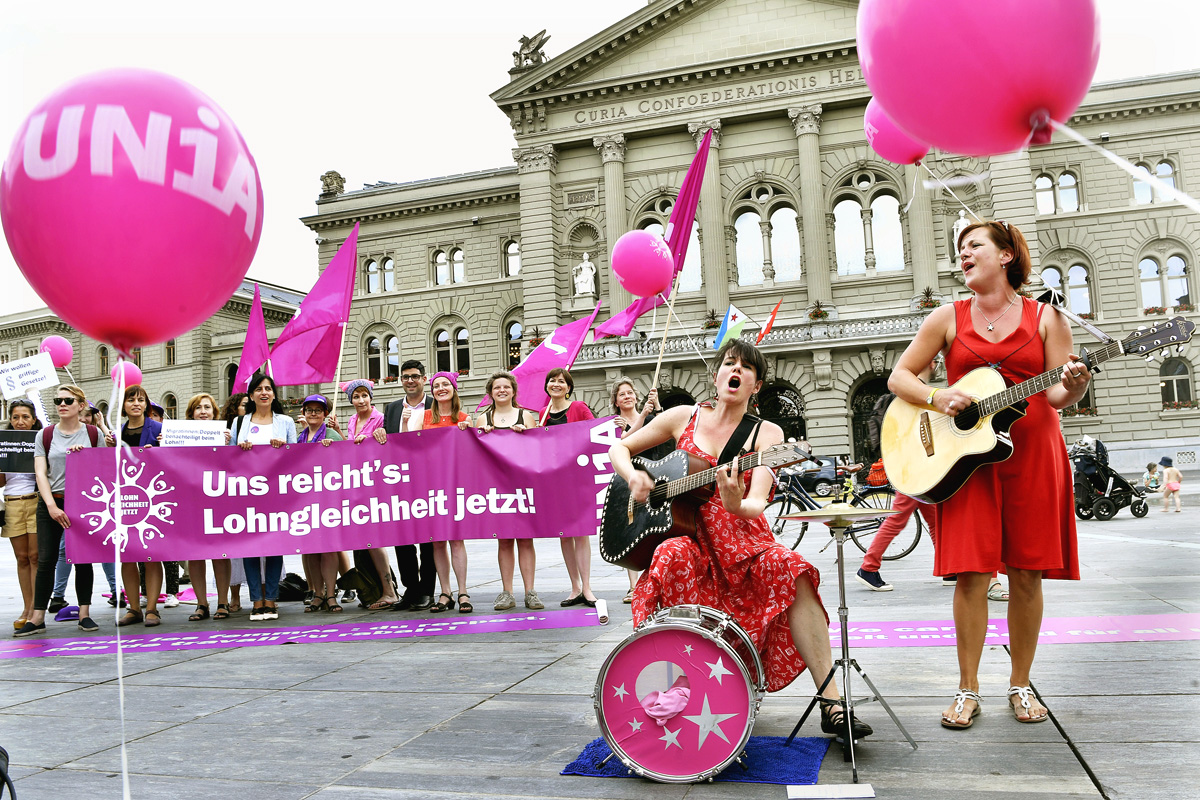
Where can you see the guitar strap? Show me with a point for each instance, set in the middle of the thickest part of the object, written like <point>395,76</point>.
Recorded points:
<point>733,447</point>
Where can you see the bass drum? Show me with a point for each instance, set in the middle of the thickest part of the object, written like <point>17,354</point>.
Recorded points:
<point>676,701</point>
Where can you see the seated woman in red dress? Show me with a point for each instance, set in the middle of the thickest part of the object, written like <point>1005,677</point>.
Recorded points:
<point>1000,518</point>
<point>734,564</point>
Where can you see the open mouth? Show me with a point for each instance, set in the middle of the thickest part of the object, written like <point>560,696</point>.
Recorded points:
<point>967,267</point>
<point>735,382</point>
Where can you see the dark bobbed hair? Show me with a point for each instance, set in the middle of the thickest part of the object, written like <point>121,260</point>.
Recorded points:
<point>22,403</point>
<point>745,352</point>
<point>131,393</point>
<point>559,372</point>
<point>230,412</point>
<point>256,380</point>
<point>1006,237</point>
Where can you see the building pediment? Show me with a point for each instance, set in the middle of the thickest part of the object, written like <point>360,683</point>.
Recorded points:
<point>683,44</point>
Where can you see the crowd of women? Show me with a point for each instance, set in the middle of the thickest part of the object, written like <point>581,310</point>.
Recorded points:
<point>37,516</point>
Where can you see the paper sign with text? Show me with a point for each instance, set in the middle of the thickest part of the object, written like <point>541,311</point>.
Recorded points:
<point>192,433</point>
<point>16,451</point>
<point>35,372</point>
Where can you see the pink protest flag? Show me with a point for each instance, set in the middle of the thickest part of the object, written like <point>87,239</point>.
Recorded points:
<point>310,346</point>
<point>679,232</point>
<point>559,349</point>
<point>256,349</point>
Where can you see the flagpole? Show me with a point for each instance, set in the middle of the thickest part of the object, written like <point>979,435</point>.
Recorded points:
<point>662,347</point>
<point>337,378</point>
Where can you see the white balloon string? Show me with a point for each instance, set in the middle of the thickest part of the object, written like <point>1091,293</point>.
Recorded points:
<point>1163,188</point>
<point>912,195</point>
<point>69,375</point>
<point>945,186</point>
<point>691,340</point>
<point>116,400</point>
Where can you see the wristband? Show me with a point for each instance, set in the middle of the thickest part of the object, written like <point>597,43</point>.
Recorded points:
<point>932,392</point>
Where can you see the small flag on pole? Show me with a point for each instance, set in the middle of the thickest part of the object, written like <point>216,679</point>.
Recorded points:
<point>770,322</point>
<point>731,326</point>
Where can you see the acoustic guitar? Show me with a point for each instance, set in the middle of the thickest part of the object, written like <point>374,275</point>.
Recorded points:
<point>929,455</point>
<point>630,531</point>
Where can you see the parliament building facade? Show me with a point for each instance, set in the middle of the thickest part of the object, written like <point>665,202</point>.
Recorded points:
<point>467,272</point>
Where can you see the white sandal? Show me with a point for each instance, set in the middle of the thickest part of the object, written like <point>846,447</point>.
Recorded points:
<point>1024,693</point>
<point>960,699</point>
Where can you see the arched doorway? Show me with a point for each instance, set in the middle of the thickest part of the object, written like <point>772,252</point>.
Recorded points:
<point>674,396</point>
<point>861,409</point>
<point>781,404</point>
<point>231,371</point>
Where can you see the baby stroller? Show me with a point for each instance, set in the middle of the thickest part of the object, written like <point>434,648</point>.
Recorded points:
<point>1101,491</point>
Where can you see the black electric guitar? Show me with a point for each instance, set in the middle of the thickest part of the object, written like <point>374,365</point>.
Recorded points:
<point>929,455</point>
<point>630,531</point>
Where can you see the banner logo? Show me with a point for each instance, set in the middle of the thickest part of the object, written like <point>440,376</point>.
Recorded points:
<point>140,507</point>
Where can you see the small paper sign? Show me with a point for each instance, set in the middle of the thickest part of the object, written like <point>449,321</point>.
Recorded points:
<point>16,451</point>
<point>35,372</point>
<point>192,433</point>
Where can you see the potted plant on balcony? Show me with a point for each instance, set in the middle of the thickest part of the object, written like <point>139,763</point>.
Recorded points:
<point>711,321</point>
<point>1154,310</point>
<point>818,312</point>
<point>1181,307</point>
<point>1180,404</point>
<point>535,338</point>
<point>928,299</point>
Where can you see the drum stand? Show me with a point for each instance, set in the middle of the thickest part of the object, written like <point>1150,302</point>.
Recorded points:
<point>838,523</point>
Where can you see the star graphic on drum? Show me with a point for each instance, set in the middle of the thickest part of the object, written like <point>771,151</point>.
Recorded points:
<point>708,722</point>
<point>671,738</point>
<point>717,670</point>
<point>636,725</point>
<point>687,648</point>
<point>620,691</point>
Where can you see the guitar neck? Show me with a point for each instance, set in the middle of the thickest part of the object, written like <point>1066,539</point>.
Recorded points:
<point>694,481</point>
<point>1040,383</point>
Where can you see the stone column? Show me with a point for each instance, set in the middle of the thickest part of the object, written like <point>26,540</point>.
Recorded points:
<point>807,122</point>
<point>867,215</point>
<point>712,223</point>
<point>920,236</point>
<point>612,154</point>
<point>768,265</point>
<point>537,166</point>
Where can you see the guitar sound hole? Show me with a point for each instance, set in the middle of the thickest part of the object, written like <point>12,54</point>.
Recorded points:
<point>968,419</point>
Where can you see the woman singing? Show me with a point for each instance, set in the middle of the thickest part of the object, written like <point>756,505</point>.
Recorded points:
<point>734,563</point>
<point>1000,518</point>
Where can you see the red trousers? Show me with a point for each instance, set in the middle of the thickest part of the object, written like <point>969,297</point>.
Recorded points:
<point>904,507</point>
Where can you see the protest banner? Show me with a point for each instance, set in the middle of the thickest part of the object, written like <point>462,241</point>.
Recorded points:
<point>192,433</point>
<point>223,502</point>
<point>16,451</point>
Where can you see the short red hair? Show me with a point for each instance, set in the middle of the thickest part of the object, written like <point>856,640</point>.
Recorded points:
<point>1006,237</point>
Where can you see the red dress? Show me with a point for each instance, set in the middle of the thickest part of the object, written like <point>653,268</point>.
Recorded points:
<point>1019,512</point>
<point>736,566</point>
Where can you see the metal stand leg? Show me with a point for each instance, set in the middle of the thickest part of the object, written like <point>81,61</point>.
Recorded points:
<point>844,663</point>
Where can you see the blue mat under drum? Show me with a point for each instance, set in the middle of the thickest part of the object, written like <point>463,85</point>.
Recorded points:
<point>768,760</point>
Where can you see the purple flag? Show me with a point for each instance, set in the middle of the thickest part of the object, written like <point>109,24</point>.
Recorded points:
<point>559,349</point>
<point>256,350</point>
<point>180,503</point>
<point>310,346</point>
<point>678,233</point>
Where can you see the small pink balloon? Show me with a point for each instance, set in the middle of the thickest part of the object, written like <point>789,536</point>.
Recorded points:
<point>643,263</point>
<point>60,350</point>
<point>891,143</point>
<point>131,172</point>
<point>978,79</point>
<point>132,373</point>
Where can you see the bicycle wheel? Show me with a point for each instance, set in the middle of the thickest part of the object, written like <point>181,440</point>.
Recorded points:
<point>863,533</point>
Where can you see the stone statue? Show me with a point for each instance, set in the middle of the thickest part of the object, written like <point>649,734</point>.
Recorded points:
<point>585,277</point>
<point>332,184</point>
<point>877,362</point>
<point>530,53</point>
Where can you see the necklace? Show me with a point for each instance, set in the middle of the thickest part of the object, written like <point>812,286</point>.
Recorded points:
<point>992,322</point>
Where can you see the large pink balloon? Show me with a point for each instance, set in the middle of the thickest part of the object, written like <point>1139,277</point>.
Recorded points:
<point>976,78</point>
<point>132,373</point>
<point>643,263</point>
<point>136,177</point>
<point>60,350</point>
<point>891,143</point>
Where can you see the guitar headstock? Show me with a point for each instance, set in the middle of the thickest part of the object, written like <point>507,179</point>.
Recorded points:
<point>1168,333</point>
<point>781,455</point>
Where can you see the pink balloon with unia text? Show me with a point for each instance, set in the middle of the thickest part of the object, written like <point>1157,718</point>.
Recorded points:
<point>132,205</point>
<point>887,140</point>
<point>133,374</point>
<point>978,78</point>
<point>61,351</point>
<point>643,263</point>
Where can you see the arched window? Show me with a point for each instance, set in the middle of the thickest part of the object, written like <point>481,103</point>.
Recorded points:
<point>374,367</point>
<point>767,239</point>
<point>654,218</point>
<point>452,347</point>
<point>1043,193</point>
<point>136,356</point>
<point>458,260</point>
<point>749,250</point>
<point>1056,193</point>
<point>1076,289</point>
<point>388,274</point>
<point>513,331</point>
<point>371,268</point>
<point>1167,287</point>
<point>886,231</point>
<point>170,406</point>
<point>102,407</point>
<point>1068,192</point>
<point>1143,192</point>
<point>848,239</point>
<point>785,244</point>
<point>867,233</point>
<point>230,377</point>
<point>102,357</point>
<point>1175,382</point>
<point>391,346</point>
<point>441,268</point>
<point>512,259</point>
<point>381,354</point>
<point>169,353</point>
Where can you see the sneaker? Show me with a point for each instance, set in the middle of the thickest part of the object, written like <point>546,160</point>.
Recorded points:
<point>112,601</point>
<point>171,602</point>
<point>872,580</point>
<point>349,596</point>
<point>949,580</point>
<point>505,601</point>
<point>308,597</point>
<point>142,601</point>
<point>533,602</point>
<point>88,625</point>
<point>30,629</point>
<point>258,614</point>
<point>271,612</point>
<point>57,604</point>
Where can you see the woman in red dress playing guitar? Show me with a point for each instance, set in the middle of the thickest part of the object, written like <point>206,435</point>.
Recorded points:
<point>1014,515</point>
<point>734,564</point>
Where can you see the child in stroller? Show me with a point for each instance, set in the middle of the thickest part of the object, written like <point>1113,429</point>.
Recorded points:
<point>1101,491</point>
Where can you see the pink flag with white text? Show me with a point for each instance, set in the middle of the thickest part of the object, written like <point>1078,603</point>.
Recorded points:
<point>559,349</point>
<point>678,233</point>
<point>310,346</point>
<point>256,349</point>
